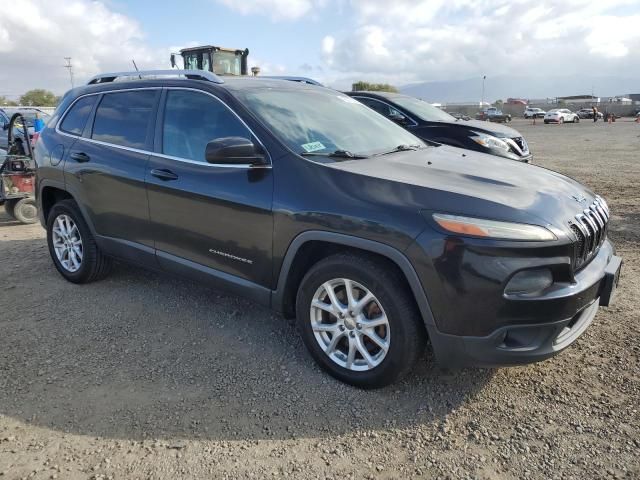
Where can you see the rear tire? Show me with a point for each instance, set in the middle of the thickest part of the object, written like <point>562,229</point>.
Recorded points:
<point>382,352</point>
<point>26,211</point>
<point>90,263</point>
<point>576,120</point>
<point>9,207</point>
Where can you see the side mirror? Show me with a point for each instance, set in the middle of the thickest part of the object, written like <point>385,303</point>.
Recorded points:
<point>233,151</point>
<point>173,60</point>
<point>398,118</point>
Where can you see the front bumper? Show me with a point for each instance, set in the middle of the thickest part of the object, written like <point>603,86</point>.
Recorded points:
<point>493,329</point>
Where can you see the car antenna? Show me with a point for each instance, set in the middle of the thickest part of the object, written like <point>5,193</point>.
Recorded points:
<point>136,67</point>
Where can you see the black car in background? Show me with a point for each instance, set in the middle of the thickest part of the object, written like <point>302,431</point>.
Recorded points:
<point>434,125</point>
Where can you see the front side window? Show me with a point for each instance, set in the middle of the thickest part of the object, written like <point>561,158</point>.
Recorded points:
<point>323,121</point>
<point>124,118</point>
<point>193,119</point>
<point>75,120</point>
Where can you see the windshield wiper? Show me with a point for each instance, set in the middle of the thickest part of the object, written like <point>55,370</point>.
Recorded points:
<point>401,148</point>
<point>335,154</point>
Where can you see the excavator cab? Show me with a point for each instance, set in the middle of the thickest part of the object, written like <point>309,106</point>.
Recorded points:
<point>221,61</point>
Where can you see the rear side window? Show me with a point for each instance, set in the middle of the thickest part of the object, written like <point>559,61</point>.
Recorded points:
<point>76,118</point>
<point>379,107</point>
<point>192,119</point>
<point>125,118</point>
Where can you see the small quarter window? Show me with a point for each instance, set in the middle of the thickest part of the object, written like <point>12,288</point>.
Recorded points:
<point>76,118</point>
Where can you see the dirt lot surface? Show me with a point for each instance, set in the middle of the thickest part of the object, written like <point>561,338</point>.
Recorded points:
<point>152,377</point>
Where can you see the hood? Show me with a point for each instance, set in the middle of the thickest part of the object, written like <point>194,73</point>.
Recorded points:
<point>452,180</point>
<point>492,128</point>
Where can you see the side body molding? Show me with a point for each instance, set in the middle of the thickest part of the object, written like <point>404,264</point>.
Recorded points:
<point>277,297</point>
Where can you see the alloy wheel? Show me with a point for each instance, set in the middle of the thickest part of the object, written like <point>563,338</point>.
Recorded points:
<point>67,243</point>
<point>350,324</point>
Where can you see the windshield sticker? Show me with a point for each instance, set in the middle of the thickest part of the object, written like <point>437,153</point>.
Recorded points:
<point>313,147</point>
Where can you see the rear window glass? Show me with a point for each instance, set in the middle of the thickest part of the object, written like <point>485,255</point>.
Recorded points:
<point>76,119</point>
<point>125,118</point>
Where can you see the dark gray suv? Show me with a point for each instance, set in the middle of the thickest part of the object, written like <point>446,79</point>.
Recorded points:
<point>303,199</point>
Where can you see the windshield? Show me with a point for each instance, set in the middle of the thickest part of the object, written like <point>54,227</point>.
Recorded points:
<point>423,110</point>
<point>323,121</point>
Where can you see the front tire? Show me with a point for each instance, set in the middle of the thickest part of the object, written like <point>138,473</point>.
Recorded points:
<point>26,211</point>
<point>72,247</point>
<point>561,120</point>
<point>359,321</point>
<point>576,120</point>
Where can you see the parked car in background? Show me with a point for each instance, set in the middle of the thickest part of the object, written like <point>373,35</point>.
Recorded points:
<point>434,125</point>
<point>326,211</point>
<point>585,113</point>
<point>29,115</point>
<point>4,123</point>
<point>492,114</point>
<point>460,116</point>
<point>531,112</point>
<point>561,115</point>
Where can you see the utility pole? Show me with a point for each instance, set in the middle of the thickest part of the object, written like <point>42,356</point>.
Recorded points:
<point>69,67</point>
<point>484,77</point>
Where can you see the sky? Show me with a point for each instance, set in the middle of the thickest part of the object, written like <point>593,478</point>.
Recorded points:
<point>334,41</point>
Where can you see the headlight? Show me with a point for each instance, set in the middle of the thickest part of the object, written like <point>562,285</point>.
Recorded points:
<point>479,227</point>
<point>490,141</point>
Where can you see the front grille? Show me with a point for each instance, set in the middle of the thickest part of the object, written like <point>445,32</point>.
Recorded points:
<point>590,229</point>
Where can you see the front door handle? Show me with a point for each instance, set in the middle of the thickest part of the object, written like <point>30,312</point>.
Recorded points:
<point>80,157</point>
<point>164,174</point>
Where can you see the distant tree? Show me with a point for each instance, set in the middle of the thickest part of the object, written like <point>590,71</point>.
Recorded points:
<point>39,98</point>
<point>373,87</point>
<point>498,103</point>
<point>5,102</point>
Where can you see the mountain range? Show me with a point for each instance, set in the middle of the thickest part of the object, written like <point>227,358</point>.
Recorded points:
<point>525,87</point>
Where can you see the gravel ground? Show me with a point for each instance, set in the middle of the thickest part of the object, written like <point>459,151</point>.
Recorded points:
<point>147,376</point>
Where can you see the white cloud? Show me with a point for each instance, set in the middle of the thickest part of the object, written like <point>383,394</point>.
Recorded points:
<point>276,9</point>
<point>420,40</point>
<point>35,38</point>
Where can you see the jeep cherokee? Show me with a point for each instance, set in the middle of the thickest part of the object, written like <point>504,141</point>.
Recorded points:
<point>301,198</point>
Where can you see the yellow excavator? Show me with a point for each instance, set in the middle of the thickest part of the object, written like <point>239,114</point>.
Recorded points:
<point>218,60</point>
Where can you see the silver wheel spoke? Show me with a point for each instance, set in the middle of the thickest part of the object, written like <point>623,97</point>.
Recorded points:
<point>375,322</point>
<point>325,327</point>
<point>364,352</point>
<point>363,302</point>
<point>371,335</point>
<point>324,306</point>
<point>332,297</point>
<point>334,342</point>
<point>351,356</point>
<point>348,286</point>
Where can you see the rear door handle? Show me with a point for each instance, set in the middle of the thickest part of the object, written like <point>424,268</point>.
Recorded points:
<point>80,157</point>
<point>164,174</point>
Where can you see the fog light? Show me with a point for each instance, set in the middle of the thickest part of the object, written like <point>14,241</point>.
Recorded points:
<point>529,282</point>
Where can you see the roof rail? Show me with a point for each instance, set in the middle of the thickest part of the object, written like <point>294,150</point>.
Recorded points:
<point>191,74</point>
<point>310,81</point>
